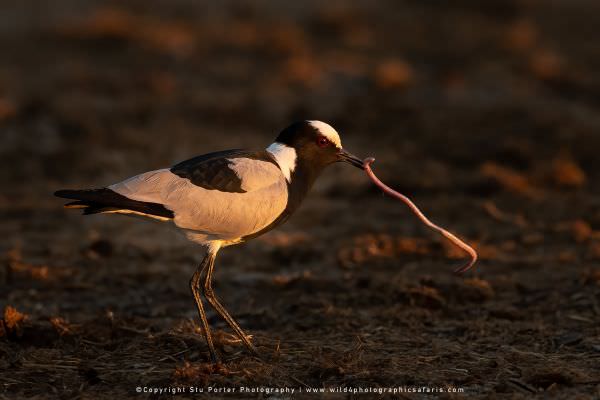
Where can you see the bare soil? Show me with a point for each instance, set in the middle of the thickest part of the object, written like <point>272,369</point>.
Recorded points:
<point>486,113</point>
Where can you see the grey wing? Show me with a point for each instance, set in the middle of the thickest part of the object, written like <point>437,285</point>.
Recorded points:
<point>223,215</point>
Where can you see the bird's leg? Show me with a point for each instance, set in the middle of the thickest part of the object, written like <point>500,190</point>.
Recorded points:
<point>212,299</point>
<point>195,286</point>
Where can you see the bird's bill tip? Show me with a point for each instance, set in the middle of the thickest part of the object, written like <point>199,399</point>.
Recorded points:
<point>344,156</point>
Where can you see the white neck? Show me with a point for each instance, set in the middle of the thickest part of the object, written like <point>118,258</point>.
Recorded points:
<point>285,157</point>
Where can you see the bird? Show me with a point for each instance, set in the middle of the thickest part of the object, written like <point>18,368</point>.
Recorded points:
<point>223,199</point>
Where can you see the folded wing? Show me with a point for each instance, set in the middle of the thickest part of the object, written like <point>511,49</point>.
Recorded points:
<point>224,195</point>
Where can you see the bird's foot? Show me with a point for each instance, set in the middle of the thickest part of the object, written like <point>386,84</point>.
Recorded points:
<point>231,339</point>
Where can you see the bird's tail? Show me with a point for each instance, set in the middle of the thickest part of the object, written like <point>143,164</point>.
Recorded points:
<point>94,201</point>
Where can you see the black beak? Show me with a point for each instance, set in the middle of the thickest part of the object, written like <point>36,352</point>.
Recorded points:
<point>343,155</point>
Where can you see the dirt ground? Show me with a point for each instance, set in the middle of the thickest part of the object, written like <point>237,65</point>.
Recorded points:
<point>485,113</point>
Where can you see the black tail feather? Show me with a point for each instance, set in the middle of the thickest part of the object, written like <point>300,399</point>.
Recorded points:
<point>95,201</point>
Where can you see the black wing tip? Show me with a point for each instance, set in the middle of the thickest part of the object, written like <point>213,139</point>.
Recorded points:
<point>81,194</point>
<point>73,193</point>
<point>64,193</point>
<point>94,201</point>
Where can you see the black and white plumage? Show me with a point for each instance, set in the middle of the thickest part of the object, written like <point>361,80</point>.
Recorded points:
<point>224,198</point>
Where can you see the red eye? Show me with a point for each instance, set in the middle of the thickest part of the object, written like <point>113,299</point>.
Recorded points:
<point>322,141</point>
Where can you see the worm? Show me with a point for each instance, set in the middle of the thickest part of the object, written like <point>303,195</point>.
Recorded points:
<point>448,235</point>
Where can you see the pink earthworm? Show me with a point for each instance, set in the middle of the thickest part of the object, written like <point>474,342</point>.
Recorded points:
<point>448,235</point>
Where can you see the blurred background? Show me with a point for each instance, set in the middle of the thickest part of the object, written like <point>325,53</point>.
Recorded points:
<point>485,113</point>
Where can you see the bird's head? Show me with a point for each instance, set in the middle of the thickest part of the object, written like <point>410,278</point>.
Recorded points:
<point>312,144</point>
